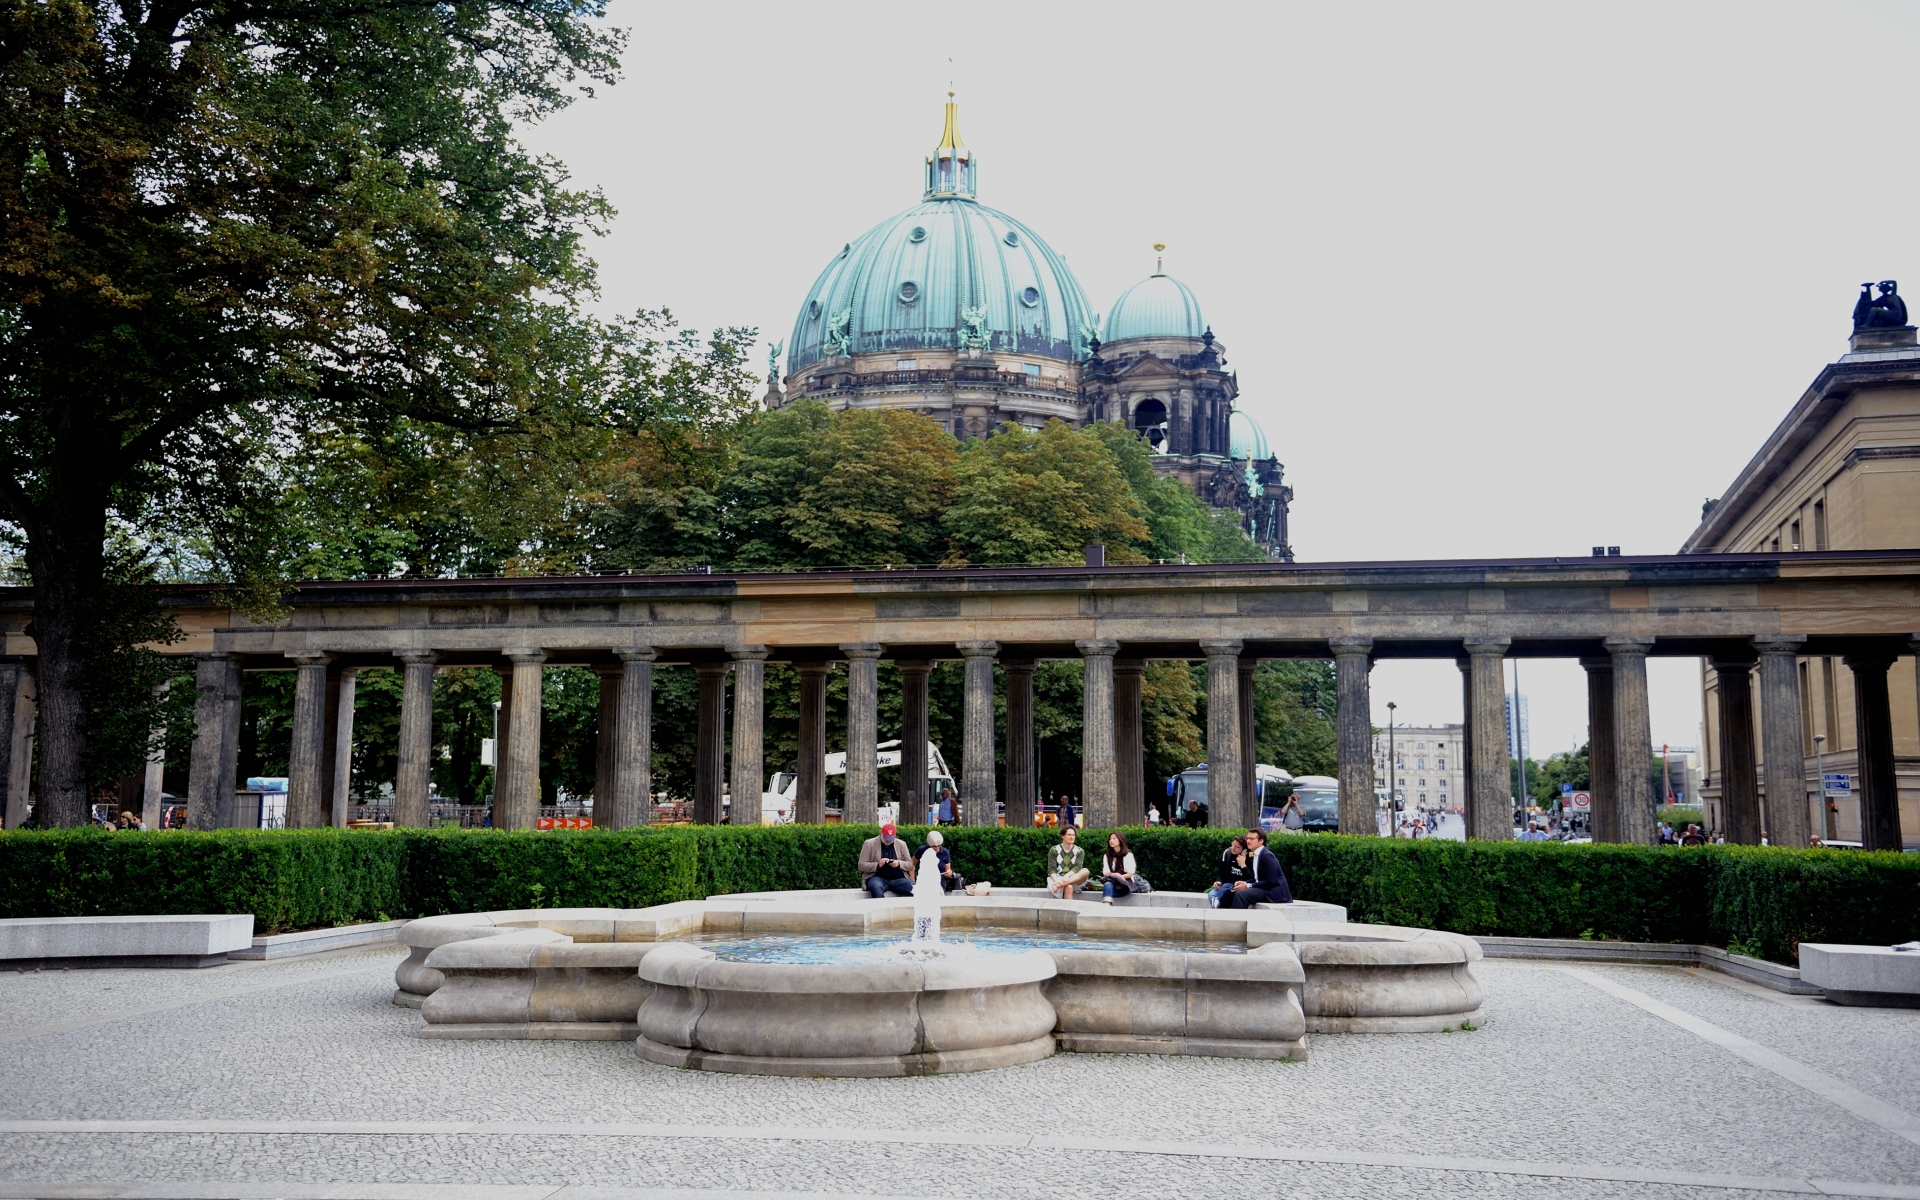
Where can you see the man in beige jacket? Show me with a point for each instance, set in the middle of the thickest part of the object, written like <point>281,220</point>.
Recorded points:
<point>886,864</point>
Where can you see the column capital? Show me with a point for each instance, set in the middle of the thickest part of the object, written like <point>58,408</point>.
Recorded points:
<point>636,654</point>
<point>310,658</point>
<point>1780,643</point>
<point>1624,646</point>
<point>1872,658</point>
<point>912,666</point>
<point>215,656</point>
<point>1350,644</point>
<point>977,649</point>
<point>1097,647</point>
<point>1603,662</point>
<point>1476,646</point>
<point>417,658</point>
<point>721,668</point>
<point>1221,647</point>
<point>1129,666</point>
<point>745,653</point>
<point>526,658</point>
<point>862,649</point>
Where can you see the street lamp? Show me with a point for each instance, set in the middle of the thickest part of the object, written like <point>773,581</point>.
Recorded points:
<point>1392,773</point>
<point>1820,770</point>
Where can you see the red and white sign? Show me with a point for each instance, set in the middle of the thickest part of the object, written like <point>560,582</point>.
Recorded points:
<point>1582,800</point>
<point>563,823</point>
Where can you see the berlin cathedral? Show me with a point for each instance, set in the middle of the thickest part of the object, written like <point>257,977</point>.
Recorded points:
<point>966,316</point>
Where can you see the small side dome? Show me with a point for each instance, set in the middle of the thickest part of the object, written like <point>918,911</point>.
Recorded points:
<point>1157,306</point>
<point>1246,438</point>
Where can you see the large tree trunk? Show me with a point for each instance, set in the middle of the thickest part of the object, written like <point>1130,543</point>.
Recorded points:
<point>67,562</point>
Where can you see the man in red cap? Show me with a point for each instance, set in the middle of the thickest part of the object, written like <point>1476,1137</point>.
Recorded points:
<point>886,865</point>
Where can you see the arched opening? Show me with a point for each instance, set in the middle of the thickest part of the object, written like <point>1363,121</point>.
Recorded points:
<point>1150,421</point>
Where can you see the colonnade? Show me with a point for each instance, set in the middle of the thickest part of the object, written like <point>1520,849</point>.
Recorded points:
<point>1113,787</point>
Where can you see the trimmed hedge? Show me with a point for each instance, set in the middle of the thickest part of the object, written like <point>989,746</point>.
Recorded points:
<point>1765,901</point>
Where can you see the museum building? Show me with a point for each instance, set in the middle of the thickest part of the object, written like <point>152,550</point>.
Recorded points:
<point>959,312</point>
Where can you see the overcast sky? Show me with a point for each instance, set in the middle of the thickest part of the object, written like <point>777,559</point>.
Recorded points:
<point>1498,279</point>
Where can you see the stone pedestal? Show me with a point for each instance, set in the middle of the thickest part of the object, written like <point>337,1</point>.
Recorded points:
<point>1900,337</point>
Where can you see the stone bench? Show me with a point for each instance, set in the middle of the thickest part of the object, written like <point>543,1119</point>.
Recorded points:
<point>1872,976</point>
<point>1219,1005</point>
<point>199,940</point>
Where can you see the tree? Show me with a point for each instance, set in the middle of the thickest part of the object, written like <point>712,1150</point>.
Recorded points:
<point>1544,779</point>
<point>226,221</point>
<point>1038,498</point>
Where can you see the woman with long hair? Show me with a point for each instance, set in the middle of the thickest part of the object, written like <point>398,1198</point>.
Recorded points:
<point>1117,879</point>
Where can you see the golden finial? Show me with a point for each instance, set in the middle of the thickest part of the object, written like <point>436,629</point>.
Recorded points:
<point>1159,264</point>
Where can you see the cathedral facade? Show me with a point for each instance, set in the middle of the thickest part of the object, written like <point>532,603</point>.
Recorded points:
<point>961,313</point>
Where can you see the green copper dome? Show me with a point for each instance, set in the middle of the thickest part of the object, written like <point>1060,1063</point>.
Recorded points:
<point>1246,438</point>
<point>1157,306</point>
<point>947,274</point>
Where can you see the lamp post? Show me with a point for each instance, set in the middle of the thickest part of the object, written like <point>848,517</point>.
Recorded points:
<point>1820,770</point>
<point>1393,776</point>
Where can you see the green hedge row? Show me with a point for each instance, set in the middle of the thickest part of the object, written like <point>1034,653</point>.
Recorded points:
<point>1764,901</point>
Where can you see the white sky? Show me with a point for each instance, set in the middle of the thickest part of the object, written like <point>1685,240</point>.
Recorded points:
<point>1498,279</point>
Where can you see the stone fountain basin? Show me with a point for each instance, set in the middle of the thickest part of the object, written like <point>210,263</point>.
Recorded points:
<point>876,1019</point>
<point>580,973</point>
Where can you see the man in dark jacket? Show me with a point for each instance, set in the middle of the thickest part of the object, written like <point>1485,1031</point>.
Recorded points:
<point>1266,882</point>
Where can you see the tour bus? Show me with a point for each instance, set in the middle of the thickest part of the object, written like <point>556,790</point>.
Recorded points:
<point>1269,790</point>
<point>1319,797</point>
<point>776,804</point>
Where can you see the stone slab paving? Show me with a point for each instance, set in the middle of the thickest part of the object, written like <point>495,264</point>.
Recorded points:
<point>301,1077</point>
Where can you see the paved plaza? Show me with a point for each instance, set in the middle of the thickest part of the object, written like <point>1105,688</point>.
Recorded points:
<point>300,1079</point>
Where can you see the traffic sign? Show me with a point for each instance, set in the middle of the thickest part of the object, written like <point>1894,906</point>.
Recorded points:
<point>1582,800</point>
<point>1566,789</point>
<point>1840,786</point>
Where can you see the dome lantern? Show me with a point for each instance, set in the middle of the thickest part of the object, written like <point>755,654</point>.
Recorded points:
<point>951,169</point>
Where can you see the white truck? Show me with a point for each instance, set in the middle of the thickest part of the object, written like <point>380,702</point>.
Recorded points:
<point>776,803</point>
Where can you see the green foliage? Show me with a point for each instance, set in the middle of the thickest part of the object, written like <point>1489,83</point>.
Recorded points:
<point>1029,499</point>
<point>1764,900</point>
<point>1679,817</point>
<point>1544,779</point>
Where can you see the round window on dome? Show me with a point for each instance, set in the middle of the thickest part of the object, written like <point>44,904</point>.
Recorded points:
<point>917,234</point>
<point>813,310</point>
<point>909,292</point>
<point>1012,238</point>
<point>1030,297</point>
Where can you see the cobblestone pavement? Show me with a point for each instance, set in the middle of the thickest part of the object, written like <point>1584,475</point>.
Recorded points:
<point>301,1079</point>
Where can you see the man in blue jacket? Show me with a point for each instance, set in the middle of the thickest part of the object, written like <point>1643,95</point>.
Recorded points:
<point>1267,883</point>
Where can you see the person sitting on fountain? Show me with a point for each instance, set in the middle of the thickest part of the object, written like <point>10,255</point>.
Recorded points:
<point>950,879</point>
<point>1268,884</point>
<point>1066,866</point>
<point>886,864</point>
<point>1118,878</point>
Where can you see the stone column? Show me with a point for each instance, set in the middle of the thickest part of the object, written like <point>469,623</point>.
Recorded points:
<point>153,781</point>
<point>16,737</point>
<point>1249,799</point>
<point>606,743</point>
<point>1466,742</point>
<point>710,747</point>
<point>1873,734</point>
<point>1605,816</point>
<point>632,794</point>
<point>1098,790</point>
<point>502,745</point>
<point>1223,733</point>
<point>1353,729</point>
<point>913,733</point>
<point>1784,811</point>
<point>518,794</point>
<point>413,777</point>
<point>749,777</point>
<point>1632,739</point>
<point>306,781</point>
<point>863,733</point>
<point>1129,760</point>
<point>978,804</point>
<point>1739,779</point>
<point>343,745</point>
<point>216,742</point>
<point>1022,782</point>
<point>810,785</point>
<point>1490,796</point>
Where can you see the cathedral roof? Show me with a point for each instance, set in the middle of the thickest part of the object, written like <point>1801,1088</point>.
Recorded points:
<point>1246,439</point>
<point>948,273</point>
<point>1157,306</point>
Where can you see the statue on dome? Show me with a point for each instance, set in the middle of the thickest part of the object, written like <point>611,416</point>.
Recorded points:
<point>773,362</point>
<point>839,339</point>
<point>1885,311</point>
<point>974,336</point>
